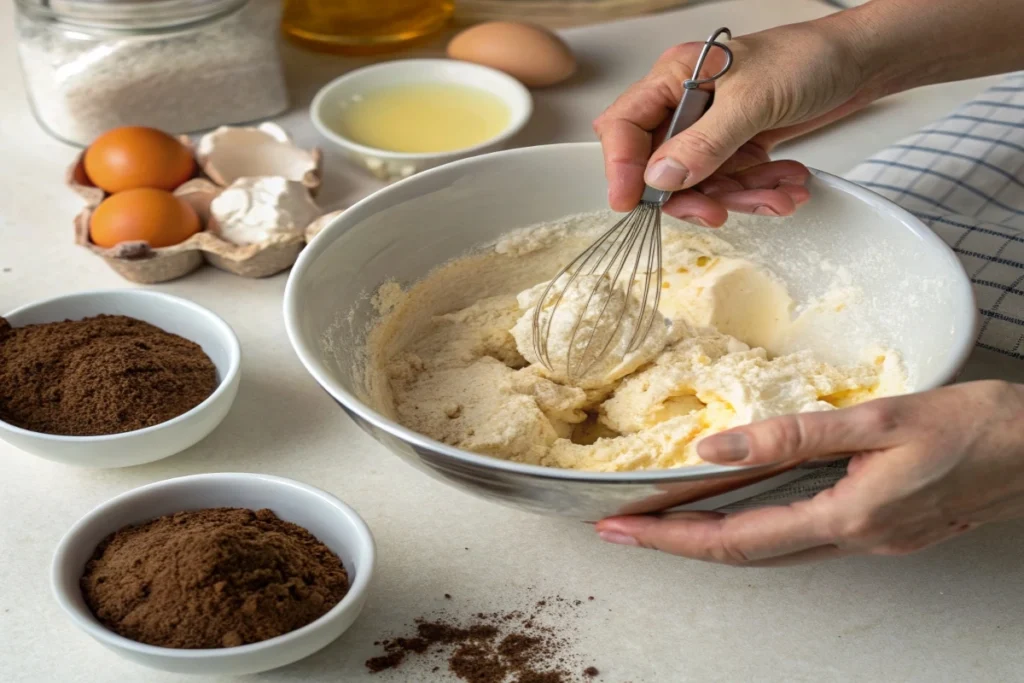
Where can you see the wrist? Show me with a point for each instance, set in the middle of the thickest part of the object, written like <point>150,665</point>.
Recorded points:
<point>904,44</point>
<point>870,41</point>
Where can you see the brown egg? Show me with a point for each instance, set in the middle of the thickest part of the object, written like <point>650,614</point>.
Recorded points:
<point>532,54</point>
<point>143,215</point>
<point>129,157</point>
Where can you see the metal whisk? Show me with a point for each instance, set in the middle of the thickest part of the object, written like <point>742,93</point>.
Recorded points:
<point>605,267</point>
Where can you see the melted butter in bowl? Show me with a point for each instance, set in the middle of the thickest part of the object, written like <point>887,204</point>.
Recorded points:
<point>399,118</point>
<point>422,117</point>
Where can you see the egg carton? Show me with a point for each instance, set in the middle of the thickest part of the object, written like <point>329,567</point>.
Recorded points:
<point>222,156</point>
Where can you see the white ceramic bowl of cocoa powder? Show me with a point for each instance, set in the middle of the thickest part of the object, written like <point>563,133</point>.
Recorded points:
<point>169,313</point>
<point>333,522</point>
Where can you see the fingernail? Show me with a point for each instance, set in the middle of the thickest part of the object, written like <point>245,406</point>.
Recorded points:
<point>793,180</point>
<point>666,174</point>
<point>765,211</point>
<point>697,220</point>
<point>616,537</point>
<point>724,448</point>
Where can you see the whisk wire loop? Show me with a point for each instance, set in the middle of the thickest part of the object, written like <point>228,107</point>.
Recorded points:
<point>695,81</point>
<point>648,314</point>
<point>636,230</point>
<point>574,269</point>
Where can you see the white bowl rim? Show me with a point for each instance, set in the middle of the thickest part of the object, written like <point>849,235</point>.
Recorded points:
<point>89,624</point>
<point>963,343</point>
<point>223,329</point>
<point>513,127</point>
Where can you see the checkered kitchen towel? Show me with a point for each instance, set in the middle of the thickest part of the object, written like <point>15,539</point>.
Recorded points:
<point>964,177</point>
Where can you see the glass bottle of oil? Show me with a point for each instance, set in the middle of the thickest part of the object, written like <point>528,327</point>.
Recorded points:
<point>362,26</point>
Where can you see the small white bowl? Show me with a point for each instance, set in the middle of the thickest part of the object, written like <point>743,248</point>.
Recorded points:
<point>170,313</point>
<point>389,165</point>
<point>337,525</point>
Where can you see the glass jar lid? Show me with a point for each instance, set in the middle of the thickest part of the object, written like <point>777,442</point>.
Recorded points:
<point>130,15</point>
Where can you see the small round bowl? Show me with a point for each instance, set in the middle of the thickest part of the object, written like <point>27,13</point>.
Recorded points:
<point>337,525</point>
<point>170,313</point>
<point>389,165</point>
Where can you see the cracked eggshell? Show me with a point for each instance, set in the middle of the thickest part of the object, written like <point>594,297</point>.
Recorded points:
<point>251,210</point>
<point>138,262</point>
<point>262,259</point>
<point>230,153</point>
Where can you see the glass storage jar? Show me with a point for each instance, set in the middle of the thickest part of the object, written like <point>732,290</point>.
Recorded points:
<point>177,65</point>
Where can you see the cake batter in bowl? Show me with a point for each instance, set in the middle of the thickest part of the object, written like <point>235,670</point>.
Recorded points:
<point>867,291</point>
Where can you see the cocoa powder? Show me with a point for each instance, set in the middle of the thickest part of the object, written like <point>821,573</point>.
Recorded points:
<point>211,578</point>
<point>101,375</point>
<point>491,647</point>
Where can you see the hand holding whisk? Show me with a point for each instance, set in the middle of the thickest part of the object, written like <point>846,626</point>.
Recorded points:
<point>599,311</point>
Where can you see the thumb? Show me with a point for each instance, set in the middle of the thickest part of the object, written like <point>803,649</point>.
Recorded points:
<point>807,436</point>
<point>697,152</point>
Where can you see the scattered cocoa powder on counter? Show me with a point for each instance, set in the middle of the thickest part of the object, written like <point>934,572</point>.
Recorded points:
<point>102,375</point>
<point>515,646</point>
<point>384,662</point>
<point>213,578</point>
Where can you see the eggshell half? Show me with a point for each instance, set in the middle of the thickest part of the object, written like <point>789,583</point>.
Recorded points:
<point>230,153</point>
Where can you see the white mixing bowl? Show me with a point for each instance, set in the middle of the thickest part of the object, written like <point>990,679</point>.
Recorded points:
<point>916,299</point>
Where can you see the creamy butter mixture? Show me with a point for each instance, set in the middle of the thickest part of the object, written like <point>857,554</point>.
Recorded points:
<point>452,358</point>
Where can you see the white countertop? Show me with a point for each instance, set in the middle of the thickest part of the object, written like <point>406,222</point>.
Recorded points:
<point>949,614</point>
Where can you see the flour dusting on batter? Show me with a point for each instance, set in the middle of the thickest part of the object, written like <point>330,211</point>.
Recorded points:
<point>452,357</point>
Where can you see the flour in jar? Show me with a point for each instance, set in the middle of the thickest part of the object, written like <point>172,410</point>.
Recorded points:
<point>90,67</point>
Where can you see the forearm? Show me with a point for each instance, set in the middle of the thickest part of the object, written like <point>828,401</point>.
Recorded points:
<point>904,44</point>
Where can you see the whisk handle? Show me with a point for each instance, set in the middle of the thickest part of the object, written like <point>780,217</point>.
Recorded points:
<point>694,102</point>
<point>691,107</point>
